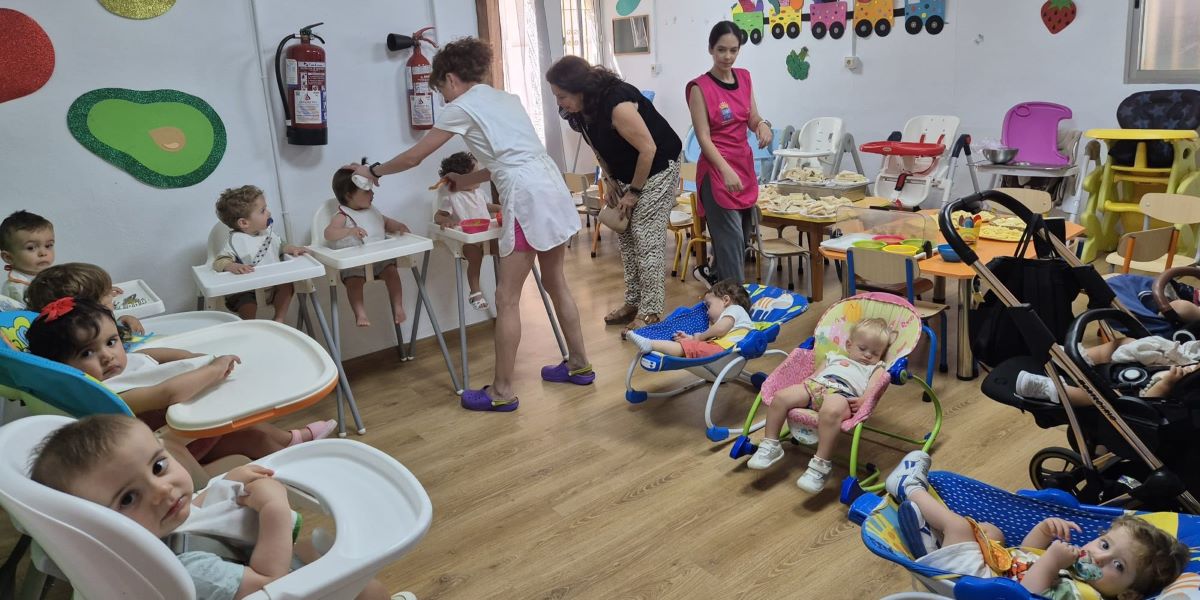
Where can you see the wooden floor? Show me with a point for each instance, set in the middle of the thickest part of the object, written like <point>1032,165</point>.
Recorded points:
<point>580,494</point>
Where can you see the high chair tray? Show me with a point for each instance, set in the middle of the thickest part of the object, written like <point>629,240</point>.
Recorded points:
<point>1141,134</point>
<point>213,284</point>
<point>372,252</point>
<point>1033,170</point>
<point>456,234</point>
<point>794,153</point>
<point>137,300</point>
<point>282,370</point>
<point>183,322</point>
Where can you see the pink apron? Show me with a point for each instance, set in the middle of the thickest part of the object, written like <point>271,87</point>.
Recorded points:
<point>728,118</point>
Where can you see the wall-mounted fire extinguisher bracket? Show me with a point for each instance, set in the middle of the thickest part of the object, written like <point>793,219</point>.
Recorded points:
<point>417,72</point>
<point>302,88</point>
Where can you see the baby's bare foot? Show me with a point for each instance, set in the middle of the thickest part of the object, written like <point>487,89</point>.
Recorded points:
<point>362,320</point>
<point>400,315</point>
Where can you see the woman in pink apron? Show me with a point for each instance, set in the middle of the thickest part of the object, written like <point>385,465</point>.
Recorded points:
<point>722,105</point>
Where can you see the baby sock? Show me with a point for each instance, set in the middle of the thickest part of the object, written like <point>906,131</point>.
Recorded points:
<point>642,343</point>
<point>1036,386</point>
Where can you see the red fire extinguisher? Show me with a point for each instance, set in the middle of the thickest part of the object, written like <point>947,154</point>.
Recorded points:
<point>416,82</point>
<point>303,93</point>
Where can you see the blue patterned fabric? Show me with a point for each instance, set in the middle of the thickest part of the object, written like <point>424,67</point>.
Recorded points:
<point>1014,514</point>
<point>1155,109</point>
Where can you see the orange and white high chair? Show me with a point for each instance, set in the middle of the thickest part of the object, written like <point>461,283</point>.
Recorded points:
<point>920,159</point>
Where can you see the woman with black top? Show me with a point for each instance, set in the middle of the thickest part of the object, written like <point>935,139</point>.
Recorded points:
<point>639,153</point>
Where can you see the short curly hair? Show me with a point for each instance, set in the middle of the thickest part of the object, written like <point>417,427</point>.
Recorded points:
<point>236,203</point>
<point>468,58</point>
<point>22,220</point>
<point>76,279</point>
<point>1161,557</point>
<point>459,162</point>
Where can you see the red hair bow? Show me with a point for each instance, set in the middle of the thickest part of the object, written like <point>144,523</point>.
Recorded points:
<point>58,308</point>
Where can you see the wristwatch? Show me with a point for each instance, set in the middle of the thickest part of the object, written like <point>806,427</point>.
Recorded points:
<point>764,121</point>
<point>372,170</point>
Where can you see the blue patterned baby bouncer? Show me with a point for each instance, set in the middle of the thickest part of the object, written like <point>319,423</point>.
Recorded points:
<point>1015,515</point>
<point>770,308</point>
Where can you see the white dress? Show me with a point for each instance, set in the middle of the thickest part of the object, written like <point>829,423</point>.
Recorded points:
<point>466,205</point>
<point>499,133</point>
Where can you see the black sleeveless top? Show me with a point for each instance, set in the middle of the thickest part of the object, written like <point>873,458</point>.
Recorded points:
<point>620,156</point>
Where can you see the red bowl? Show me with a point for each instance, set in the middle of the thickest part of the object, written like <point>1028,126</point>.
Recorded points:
<point>474,225</point>
<point>894,239</point>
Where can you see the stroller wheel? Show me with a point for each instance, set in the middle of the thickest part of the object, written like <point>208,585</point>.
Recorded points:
<point>1059,469</point>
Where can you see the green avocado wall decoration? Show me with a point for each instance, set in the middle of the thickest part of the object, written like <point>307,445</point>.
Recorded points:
<point>165,138</point>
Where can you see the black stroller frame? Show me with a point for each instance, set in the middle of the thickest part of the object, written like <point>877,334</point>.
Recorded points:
<point>1102,479</point>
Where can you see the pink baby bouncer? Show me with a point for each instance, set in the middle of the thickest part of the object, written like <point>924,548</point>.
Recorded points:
<point>915,160</point>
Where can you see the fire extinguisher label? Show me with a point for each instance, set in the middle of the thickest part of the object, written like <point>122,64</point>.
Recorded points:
<point>289,68</point>
<point>310,106</point>
<point>422,109</point>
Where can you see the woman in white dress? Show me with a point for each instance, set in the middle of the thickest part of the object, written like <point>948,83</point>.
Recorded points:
<point>538,213</point>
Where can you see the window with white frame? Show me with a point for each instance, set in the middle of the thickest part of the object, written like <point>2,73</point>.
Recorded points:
<point>579,25</point>
<point>1161,42</point>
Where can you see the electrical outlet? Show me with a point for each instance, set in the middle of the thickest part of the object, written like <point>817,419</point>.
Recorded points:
<point>852,63</point>
<point>656,69</point>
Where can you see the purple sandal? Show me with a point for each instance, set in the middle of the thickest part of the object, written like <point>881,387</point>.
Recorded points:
<point>561,373</point>
<point>481,400</point>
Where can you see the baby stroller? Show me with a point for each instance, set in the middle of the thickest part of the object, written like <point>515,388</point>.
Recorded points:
<point>1015,514</point>
<point>1149,299</point>
<point>1134,431</point>
<point>770,308</point>
<point>830,332</point>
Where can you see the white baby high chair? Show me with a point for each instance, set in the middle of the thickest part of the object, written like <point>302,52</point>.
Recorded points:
<point>920,159</point>
<point>379,508</point>
<point>820,144</point>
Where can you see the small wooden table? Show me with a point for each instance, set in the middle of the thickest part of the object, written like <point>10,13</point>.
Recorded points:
<point>814,229</point>
<point>963,274</point>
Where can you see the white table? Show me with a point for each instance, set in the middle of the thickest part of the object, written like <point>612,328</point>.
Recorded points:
<point>454,239</point>
<point>213,284</point>
<point>402,248</point>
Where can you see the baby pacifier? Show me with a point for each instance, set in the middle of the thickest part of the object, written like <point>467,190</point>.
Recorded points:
<point>1084,569</point>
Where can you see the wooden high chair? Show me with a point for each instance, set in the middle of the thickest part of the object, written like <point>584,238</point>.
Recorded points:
<point>687,173</point>
<point>683,214</point>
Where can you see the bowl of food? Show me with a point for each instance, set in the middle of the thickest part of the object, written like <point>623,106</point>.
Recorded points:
<point>1001,155</point>
<point>474,225</point>
<point>901,249</point>
<point>869,244</point>
<point>948,253</point>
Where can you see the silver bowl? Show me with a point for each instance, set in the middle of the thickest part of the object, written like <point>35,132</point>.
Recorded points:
<point>1000,156</point>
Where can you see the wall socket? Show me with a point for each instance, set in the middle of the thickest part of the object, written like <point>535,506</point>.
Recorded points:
<point>852,63</point>
<point>656,69</point>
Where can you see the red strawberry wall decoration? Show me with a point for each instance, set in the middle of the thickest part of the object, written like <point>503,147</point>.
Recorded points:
<point>1057,14</point>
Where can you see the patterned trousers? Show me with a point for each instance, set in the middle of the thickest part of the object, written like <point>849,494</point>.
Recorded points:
<point>644,243</point>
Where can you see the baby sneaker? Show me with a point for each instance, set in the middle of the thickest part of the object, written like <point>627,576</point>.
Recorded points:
<point>813,479</point>
<point>914,530</point>
<point>478,302</point>
<point>913,470</point>
<point>769,452</point>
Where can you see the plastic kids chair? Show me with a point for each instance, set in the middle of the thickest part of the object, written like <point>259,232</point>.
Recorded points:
<point>831,331</point>
<point>1154,151</point>
<point>821,144</point>
<point>1015,515</point>
<point>403,250</point>
<point>770,309</point>
<point>454,238</point>
<point>914,161</point>
<point>1046,155</point>
<point>681,220</point>
<point>1153,250</point>
<point>379,509</point>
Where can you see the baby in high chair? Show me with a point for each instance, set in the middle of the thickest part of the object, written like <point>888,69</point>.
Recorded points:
<point>1132,560</point>
<point>358,222</point>
<point>27,248</point>
<point>81,280</point>
<point>729,321</point>
<point>117,462</point>
<point>83,334</point>
<point>251,243</point>
<point>835,392</point>
<point>465,202</point>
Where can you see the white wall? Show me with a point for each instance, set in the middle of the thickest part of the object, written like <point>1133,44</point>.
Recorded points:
<point>103,215</point>
<point>990,56</point>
